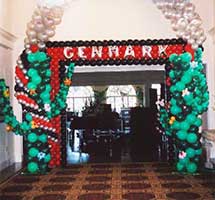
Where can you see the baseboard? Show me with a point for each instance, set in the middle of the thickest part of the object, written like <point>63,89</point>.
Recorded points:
<point>5,164</point>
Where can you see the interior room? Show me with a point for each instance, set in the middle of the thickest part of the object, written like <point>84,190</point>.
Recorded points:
<point>107,100</point>
<point>103,119</point>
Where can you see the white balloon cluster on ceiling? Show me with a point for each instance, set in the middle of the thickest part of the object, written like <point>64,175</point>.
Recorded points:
<point>43,25</point>
<point>185,21</point>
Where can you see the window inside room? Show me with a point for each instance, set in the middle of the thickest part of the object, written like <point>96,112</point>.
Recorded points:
<point>158,88</point>
<point>79,97</point>
<point>121,96</point>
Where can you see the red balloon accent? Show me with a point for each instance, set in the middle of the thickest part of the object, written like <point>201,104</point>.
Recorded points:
<point>34,48</point>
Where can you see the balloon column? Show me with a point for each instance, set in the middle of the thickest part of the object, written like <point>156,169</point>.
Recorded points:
<point>33,92</point>
<point>189,99</point>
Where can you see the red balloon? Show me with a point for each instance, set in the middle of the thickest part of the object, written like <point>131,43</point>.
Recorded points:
<point>34,48</point>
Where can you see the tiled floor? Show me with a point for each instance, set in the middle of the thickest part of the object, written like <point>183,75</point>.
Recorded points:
<point>110,181</point>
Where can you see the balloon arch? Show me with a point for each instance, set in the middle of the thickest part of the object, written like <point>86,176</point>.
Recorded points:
<point>44,74</point>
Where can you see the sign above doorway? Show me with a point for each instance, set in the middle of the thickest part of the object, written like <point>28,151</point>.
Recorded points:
<point>125,52</point>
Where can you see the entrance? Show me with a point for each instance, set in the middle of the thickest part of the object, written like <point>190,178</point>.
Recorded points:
<point>101,53</point>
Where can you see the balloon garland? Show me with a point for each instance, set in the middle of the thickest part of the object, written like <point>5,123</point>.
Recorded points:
<point>42,90</point>
<point>181,118</point>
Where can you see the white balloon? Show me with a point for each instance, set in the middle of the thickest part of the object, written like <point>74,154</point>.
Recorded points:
<point>180,34</point>
<point>27,46</point>
<point>196,22</point>
<point>191,41</point>
<point>201,39</point>
<point>50,32</point>
<point>32,40</point>
<point>31,34</point>
<point>42,36</point>
<point>180,5</point>
<point>57,21</point>
<point>30,25</point>
<point>159,5</point>
<point>198,33</point>
<point>37,17</point>
<point>57,12</point>
<point>48,22</point>
<point>45,11</point>
<point>189,7</point>
<point>195,46</point>
<point>41,45</point>
<point>191,28</point>
<point>27,51</point>
<point>39,27</point>
<point>168,15</point>
<point>182,23</point>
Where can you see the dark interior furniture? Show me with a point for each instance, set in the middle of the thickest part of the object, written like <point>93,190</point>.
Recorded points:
<point>143,128</point>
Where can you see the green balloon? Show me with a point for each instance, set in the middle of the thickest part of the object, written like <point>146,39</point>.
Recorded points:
<point>175,110</point>
<point>31,86</point>
<point>173,101</point>
<point>198,122</point>
<point>185,125</point>
<point>25,126</point>
<point>198,151</point>
<point>48,72</point>
<point>191,167</point>
<point>32,72</point>
<point>190,152</point>
<point>48,88</point>
<point>41,56</point>
<point>192,138</point>
<point>182,135</point>
<point>186,57</point>
<point>31,57</point>
<point>36,80</point>
<point>179,167</point>
<point>176,125</point>
<point>43,138</point>
<point>32,137</point>
<point>186,78</point>
<point>189,98</point>
<point>45,96</point>
<point>180,86</point>
<point>191,118</point>
<point>32,167</point>
<point>33,152</point>
<point>173,89</point>
<point>184,161</point>
<point>47,158</point>
<point>173,57</point>
<point>172,74</point>
<point>28,117</point>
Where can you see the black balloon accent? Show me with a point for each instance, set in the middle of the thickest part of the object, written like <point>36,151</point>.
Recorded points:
<point>49,44</point>
<point>73,43</point>
<point>61,44</point>
<point>80,43</point>
<point>93,43</point>
<point>123,42</point>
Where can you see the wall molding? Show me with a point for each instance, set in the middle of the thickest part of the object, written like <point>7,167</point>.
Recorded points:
<point>7,39</point>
